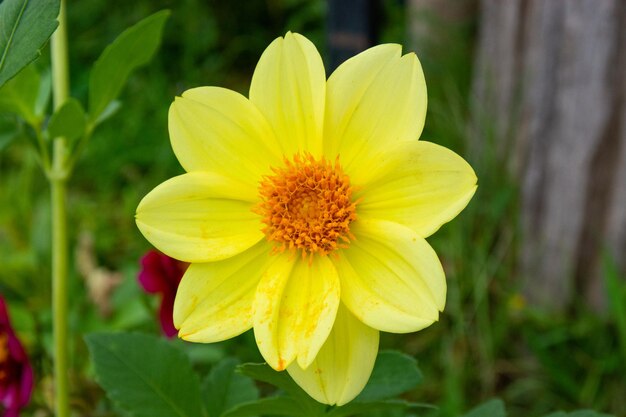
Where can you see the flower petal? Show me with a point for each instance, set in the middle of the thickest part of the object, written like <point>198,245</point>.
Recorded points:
<point>344,363</point>
<point>200,217</point>
<point>219,130</point>
<point>419,184</point>
<point>151,276</point>
<point>294,309</point>
<point>373,100</point>
<point>160,273</point>
<point>289,88</point>
<point>165,316</point>
<point>391,279</point>
<point>214,299</point>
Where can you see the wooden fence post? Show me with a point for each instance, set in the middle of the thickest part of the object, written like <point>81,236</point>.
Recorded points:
<point>550,81</point>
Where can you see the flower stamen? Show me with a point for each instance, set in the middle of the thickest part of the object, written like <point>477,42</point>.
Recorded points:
<point>307,206</point>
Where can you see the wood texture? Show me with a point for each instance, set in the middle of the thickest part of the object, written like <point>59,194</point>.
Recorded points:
<point>549,84</point>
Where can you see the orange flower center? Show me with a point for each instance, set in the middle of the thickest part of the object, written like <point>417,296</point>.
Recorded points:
<point>307,205</point>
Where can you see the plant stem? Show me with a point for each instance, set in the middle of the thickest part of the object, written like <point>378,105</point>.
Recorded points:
<point>58,179</point>
<point>60,70</point>
<point>59,279</point>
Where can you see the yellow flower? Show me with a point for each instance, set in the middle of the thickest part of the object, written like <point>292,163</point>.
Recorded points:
<point>304,210</point>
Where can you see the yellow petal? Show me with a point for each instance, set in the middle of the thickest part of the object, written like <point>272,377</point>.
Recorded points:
<point>419,184</point>
<point>219,130</point>
<point>200,217</point>
<point>294,309</point>
<point>344,363</point>
<point>214,299</point>
<point>391,279</point>
<point>289,88</point>
<point>373,100</point>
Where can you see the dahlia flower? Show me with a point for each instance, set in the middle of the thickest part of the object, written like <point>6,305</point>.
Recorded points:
<point>304,210</point>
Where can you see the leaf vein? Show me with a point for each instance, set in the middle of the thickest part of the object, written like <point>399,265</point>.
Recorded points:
<point>156,389</point>
<point>13,30</point>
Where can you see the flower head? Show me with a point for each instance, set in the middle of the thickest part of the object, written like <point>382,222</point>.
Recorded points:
<point>161,274</point>
<point>16,374</point>
<point>307,206</point>
<point>304,211</point>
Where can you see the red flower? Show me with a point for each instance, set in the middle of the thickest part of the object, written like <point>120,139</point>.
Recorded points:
<point>161,274</point>
<point>16,374</point>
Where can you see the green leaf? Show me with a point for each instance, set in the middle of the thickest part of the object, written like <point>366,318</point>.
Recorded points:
<point>45,90</point>
<point>394,373</point>
<point>275,406</point>
<point>355,408</point>
<point>145,375</point>
<point>223,388</point>
<point>8,131</point>
<point>109,111</point>
<point>26,26</point>
<point>130,50</point>
<point>263,372</point>
<point>69,121</point>
<point>492,408</point>
<point>579,413</point>
<point>282,380</point>
<point>19,95</point>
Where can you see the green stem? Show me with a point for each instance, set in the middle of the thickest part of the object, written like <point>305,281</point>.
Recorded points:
<point>44,157</point>
<point>58,180</point>
<point>59,278</point>
<point>60,70</point>
<point>78,149</point>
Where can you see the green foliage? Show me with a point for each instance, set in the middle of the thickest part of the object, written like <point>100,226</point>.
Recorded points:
<point>394,373</point>
<point>306,405</point>
<point>616,294</point>
<point>109,111</point>
<point>132,49</point>
<point>26,26</point>
<point>275,406</point>
<point>580,413</point>
<point>492,408</point>
<point>27,95</point>
<point>68,121</point>
<point>578,361</point>
<point>495,408</point>
<point>8,131</point>
<point>137,372</point>
<point>145,375</point>
<point>384,406</point>
<point>223,388</point>
<point>20,95</point>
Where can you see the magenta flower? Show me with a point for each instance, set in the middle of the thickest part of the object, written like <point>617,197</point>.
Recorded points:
<point>161,274</point>
<point>16,374</point>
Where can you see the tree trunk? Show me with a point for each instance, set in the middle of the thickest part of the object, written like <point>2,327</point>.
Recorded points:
<point>549,84</point>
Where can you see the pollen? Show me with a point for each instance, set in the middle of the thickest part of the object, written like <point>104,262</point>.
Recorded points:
<point>307,206</point>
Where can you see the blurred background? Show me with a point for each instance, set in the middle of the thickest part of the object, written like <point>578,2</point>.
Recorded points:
<point>531,92</point>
